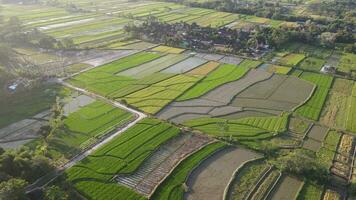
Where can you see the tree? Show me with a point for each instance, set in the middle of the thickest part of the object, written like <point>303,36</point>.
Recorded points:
<point>13,189</point>
<point>55,193</point>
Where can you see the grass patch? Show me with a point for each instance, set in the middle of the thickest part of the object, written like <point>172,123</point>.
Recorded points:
<point>292,59</point>
<point>310,191</point>
<point>312,63</point>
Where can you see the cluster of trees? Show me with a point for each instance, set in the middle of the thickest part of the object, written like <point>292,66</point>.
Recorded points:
<point>17,169</point>
<point>303,163</point>
<point>194,36</point>
<point>239,41</point>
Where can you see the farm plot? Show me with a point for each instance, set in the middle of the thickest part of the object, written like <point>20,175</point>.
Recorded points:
<point>342,161</point>
<point>209,179</point>
<point>231,60</point>
<point>331,195</point>
<point>312,64</point>
<point>291,59</point>
<point>298,126</point>
<point>185,65</point>
<point>244,129</point>
<point>214,57</point>
<point>86,126</point>
<point>337,107</point>
<point>161,162</point>
<point>312,108</point>
<point>263,188</point>
<point>315,137</point>
<point>327,152</point>
<point>223,74</point>
<point>218,98</point>
<point>246,178</point>
<point>278,69</point>
<point>155,97</point>
<point>154,66</point>
<point>310,191</point>
<point>204,69</point>
<point>250,63</point>
<point>124,154</point>
<point>351,117</point>
<point>347,63</point>
<point>171,188</point>
<point>287,188</point>
<point>274,94</point>
<point>166,49</point>
<point>138,45</point>
<point>103,80</point>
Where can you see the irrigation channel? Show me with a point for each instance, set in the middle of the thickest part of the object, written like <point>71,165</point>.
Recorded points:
<point>45,180</point>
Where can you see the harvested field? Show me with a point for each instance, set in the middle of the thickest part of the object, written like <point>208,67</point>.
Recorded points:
<point>351,117</point>
<point>287,188</point>
<point>343,159</point>
<point>185,65</point>
<point>153,66</point>
<point>166,49</point>
<point>278,69</point>
<point>204,69</point>
<point>209,180</point>
<point>336,111</point>
<point>162,162</point>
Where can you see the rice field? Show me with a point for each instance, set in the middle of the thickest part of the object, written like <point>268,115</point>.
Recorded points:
<point>223,74</point>
<point>291,59</point>
<point>312,108</point>
<point>124,154</point>
<point>166,49</point>
<point>312,64</point>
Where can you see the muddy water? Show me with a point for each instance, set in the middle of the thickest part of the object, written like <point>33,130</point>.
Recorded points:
<point>287,188</point>
<point>209,180</point>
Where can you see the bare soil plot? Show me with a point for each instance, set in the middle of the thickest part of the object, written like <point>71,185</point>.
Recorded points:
<point>209,179</point>
<point>287,188</point>
<point>343,160</point>
<point>185,65</point>
<point>153,66</point>
<point>311,144</point>
<point>156,168</point>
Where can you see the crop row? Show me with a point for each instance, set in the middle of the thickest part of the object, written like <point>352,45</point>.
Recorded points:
<point>156,96</point>
<point>312,108</point>
<point>124,154</point>
<point>223,74</point>
<point>250,128</point>
<point>88,123</point>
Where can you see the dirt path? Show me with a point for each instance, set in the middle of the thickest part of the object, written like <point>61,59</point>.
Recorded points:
<point>209,180</point>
